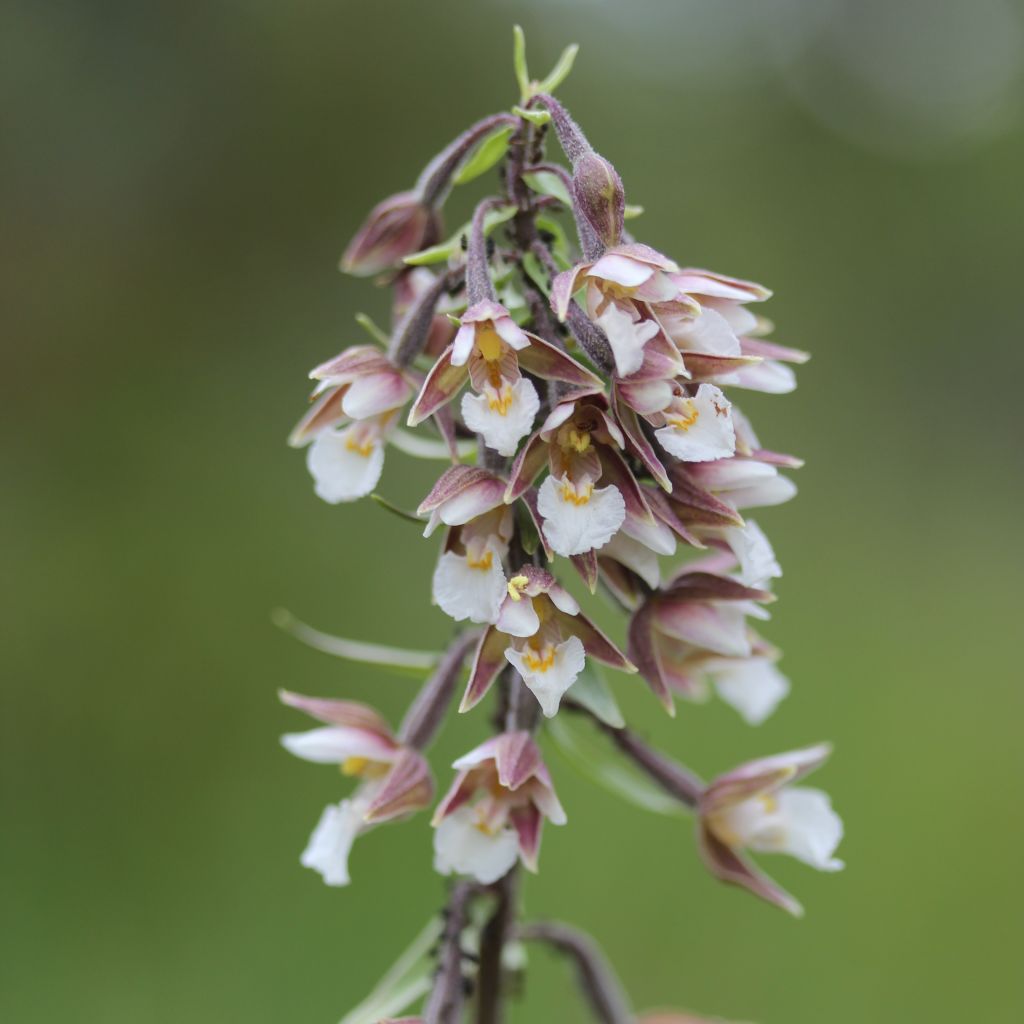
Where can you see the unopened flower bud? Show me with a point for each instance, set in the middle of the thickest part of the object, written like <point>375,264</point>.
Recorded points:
<point>395,228</point>
<point>599,196</point>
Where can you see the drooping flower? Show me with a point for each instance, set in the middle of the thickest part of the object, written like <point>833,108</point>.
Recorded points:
<point>621,287</point>
<point>491,350</point>
<point>357,399</point>
<point>394,780</point>
<point>495,809</point>
<point>696,616</point>
<point>756,807</point>
<point>541,632</point>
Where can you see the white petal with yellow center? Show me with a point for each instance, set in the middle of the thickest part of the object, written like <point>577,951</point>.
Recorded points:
<point>699,429</point>
<point>579,518</point>
<point>465,845</point>
<point>345,464</point>
<point>752,686</point>
<point>329,846</point>
<point>503,416</point>
<point>470,588</point>
<point>549,670</point>
<point>796,820</point>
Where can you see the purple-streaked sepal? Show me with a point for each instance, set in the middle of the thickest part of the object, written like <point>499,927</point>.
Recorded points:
<point>636,440</point>
<point>586,566</point>
<point>731,867</point>
<point>345,713</point>
<point>544,360</point>
<point>442,384</point>
<point>460,494</point>
<point>488,661</point>
<point>644,653</point>
<point>408,787</point>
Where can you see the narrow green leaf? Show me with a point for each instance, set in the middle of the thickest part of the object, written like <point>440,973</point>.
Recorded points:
<point>372,330</point>
<point>632,211</point>
<point>519,62</point>
<point>547,183</point>
<point>404,983</point>
<point>417,662</point>
<point>560,72</point>
<point>485,156</point>
<point>533,116</point>
<point>591,689</point>
<point>601,763</point>
<point>395,510</point>
<point>443,252</point>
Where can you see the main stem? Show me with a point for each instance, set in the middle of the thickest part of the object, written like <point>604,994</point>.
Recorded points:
<point>513,712</point>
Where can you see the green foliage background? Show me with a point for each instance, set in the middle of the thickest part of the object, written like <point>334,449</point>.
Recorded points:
<point>179,182</point>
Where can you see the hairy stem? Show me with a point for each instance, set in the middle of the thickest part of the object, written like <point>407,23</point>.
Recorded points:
<point>596,979</point>
<point>490,1006</point>
<point>444,1004</point>
<point>427,712</point>
<point>435,179</point>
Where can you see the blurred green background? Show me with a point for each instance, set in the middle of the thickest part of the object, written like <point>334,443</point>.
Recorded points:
<point>179,180</point>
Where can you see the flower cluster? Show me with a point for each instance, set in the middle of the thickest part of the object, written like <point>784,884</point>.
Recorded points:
<point>588,410</point>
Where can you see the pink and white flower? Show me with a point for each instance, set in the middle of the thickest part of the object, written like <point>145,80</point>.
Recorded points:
<point>580,444</point>
<point>621,287</point>
<point>494,811</point>
<point>756,807</point>
<point>357,399</point>
<point>394,782</point>
<point>542,633</point>
<point>699,615</point>
<point>489,350</point>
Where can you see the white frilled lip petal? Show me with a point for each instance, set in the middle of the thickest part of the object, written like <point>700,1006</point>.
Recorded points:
<point>464,591</point>
<point>331,842</point>
<point>462,848</point>
<point>752,686</point>
<point>548,685</point>
<point>502,431</point>
<point>573,529</point>
<point>710,437</point>
<point>334,744</point>
<point>342,472</point>
<point>518,618</point>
